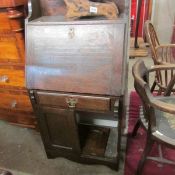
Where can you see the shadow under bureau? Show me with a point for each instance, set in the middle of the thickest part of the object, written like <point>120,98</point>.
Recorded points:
<point>76,73</point>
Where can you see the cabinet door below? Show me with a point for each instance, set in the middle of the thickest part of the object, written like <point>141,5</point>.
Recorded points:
<point>59,130</point>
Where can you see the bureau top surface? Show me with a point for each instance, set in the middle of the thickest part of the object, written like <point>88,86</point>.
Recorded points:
<point>60,19</point>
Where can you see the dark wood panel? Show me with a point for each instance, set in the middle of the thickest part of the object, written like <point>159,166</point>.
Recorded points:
<point>59,123</point>
<point>90,59</point>
<point>80,101</point>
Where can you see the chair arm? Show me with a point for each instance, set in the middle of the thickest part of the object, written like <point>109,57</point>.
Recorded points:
<point>167,66</point>
<point>163,106</point>
<point>165,45</point>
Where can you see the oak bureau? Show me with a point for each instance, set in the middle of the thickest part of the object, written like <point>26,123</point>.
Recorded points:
<point>76,74</point>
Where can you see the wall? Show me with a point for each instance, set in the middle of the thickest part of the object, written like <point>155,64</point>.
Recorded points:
<point>163,19</point>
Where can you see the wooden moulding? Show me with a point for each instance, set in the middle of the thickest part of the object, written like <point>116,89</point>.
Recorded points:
<point>83,8</point>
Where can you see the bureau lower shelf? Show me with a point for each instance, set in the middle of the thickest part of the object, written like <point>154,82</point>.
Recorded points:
<point>98,145</point>
<point>98,141</point>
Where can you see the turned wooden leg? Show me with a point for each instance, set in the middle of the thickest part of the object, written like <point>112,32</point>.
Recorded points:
<point>120,114</point>
<point>136,45</point>
<point>136,127</point>
<point>146,151</point>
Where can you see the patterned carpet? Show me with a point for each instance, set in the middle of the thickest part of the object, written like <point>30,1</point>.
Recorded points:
<point>136,145</point>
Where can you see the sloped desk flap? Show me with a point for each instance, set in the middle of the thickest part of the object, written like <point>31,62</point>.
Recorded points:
<point>82,58</point>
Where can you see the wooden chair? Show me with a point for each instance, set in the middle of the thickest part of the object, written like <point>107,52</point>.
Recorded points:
<point>158,113</point>
<point>161,54</point>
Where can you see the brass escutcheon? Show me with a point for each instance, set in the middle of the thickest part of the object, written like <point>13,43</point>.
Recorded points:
<point>71,102</point>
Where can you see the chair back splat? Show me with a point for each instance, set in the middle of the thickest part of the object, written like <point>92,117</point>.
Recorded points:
<point>161,54</point>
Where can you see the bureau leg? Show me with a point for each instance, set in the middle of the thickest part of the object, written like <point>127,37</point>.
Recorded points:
<point>49,155</point>
<point>118,110</point>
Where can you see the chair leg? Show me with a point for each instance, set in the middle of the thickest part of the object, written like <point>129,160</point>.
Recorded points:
<point>136,127</point>
<point>146,151</point>
<point>159,91</point>
<point>153,86</point>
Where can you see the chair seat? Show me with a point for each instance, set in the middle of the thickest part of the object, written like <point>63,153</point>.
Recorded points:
<point>165,122</point>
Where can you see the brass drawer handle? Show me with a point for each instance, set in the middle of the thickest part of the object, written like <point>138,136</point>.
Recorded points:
<point>13,104</point>
<point>71,102</point>
<point>4,79</point>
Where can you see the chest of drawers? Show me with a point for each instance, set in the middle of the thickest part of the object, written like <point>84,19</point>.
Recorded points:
<point>15,105</point>
<point>76,73</point>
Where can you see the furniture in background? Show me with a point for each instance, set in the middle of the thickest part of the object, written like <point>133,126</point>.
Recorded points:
<point>15,106</point>
<point>76,74</point>
<point>161,54</point>
<point>158,114</point>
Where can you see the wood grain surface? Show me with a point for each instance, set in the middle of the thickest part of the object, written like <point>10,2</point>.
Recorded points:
<point>86,8</point>
<point>82,102</point>
<point>90,59</point>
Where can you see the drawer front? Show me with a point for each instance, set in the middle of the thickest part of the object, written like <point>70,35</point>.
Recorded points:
<point>12,77</point>
<point>78,102</point>
<point>90,60</point>
<point>15,102</point>
<point>25,119</point>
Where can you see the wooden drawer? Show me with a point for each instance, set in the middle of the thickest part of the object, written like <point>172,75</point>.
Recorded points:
<point>14,101</point>
<point>12,77</point>
<point>80,102</point>
<point>24,119</point>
